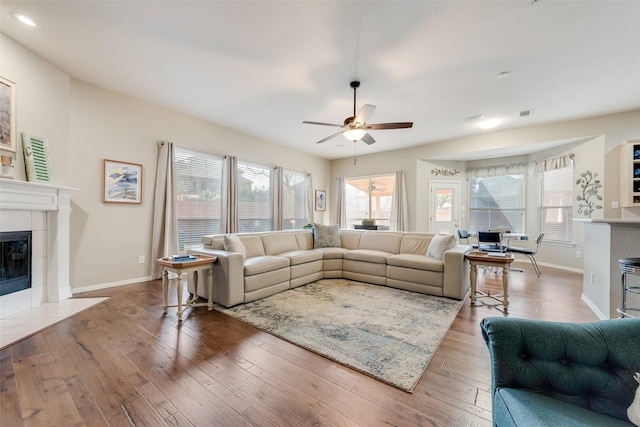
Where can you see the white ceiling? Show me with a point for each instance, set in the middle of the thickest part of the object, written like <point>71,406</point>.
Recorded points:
<point>262,67</point>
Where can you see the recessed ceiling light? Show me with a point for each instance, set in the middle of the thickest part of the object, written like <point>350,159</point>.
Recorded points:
<point>26,20</point>
<point>489,123</point>
<point>503,75</point>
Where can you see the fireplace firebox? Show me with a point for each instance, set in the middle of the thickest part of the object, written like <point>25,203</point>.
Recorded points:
<point>15,261</point>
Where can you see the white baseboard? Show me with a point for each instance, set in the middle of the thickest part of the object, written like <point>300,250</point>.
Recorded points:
<point>593,308</point>
<point>556,266</point>
<point>110,284</point>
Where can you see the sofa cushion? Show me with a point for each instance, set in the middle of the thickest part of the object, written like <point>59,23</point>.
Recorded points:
<point>350,239</point>
<point>418,262</point>
<point>439,244</point>
<point>384,241</point>
<point>517,407</point>
<point>378,257</point>
<point>232,243</point>
<point>253,246</point>
<point>277,243</point>
<point>326,236</point>
<point>262,264</point>
<point>415,243</point>
<point>332,253</point>
<point>301,257</point>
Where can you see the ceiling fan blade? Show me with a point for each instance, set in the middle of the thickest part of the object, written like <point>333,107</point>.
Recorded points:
<point>368,139</point>
<point>399,125</point>
<point>322,124</point>
<point>329,137</point>
<point>363,115</point>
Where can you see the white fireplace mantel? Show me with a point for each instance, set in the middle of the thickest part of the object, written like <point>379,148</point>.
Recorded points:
<point>56,201</point>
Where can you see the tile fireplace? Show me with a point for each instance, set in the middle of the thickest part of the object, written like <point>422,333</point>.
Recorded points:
<point>44,210</point>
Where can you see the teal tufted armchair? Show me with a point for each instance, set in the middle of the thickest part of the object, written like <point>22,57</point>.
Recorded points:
<point>562,374</point>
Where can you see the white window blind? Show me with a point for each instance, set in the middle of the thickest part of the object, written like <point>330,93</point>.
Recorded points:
<point>294,200</point>
<point>198,204</point>
<point>369,197</point>
<point>254,198</point>
<point>496,202</point>
<point>556,206</point>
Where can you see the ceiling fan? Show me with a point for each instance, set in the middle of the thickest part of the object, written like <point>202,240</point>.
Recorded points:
<point>355,128</point>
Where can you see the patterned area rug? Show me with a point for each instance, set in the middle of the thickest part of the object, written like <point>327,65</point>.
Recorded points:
<point>389,334</point>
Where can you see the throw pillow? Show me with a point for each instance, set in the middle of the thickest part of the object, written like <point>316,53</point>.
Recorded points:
<point>326,236</point>
<point>232,243</point>
<point>634,410</point>
<point>439,244</point>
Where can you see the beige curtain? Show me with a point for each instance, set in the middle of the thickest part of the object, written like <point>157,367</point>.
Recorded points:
<point>341,212</point>
<point>164,238</point>
<point>399,211</point>
<point>497,170</point>
<point>310,199</point>
<point>277,203</point>
<point>229,211</point>
<point>554,163</point>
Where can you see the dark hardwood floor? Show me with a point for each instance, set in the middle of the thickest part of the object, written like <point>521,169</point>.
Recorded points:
<point>123,363</point>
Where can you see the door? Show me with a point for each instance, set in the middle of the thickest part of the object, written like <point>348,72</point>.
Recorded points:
<point>444,206</point>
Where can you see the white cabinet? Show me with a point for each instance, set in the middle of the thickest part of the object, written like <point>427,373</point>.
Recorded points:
<point>630,173</point>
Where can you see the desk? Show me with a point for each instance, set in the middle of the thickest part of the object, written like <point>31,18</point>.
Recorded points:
<point>483,258</point>
<point>202,262</point>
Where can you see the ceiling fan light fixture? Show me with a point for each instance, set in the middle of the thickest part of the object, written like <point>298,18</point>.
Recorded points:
<point>354,134</point>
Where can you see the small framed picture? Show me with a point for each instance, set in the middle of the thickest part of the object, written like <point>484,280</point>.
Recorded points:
<point>321,200</point>
<point>7,115</point>
<point>121,182</point>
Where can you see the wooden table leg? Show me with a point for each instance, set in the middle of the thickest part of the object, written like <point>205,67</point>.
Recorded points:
<point>505,287</point>
<point>180,290</point>
<point>210,284</point>
<point>473,277</point>
<point>165,291</point>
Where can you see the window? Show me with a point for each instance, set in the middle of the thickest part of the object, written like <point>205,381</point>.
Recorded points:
<point>556,206</point>
<point>198,204</point>
<point>369,197</point>
<point>496,202</point>
<point>254,198</point>
<point>295,204</point>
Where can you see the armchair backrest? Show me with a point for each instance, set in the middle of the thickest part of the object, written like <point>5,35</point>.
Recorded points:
<point>591,365</point>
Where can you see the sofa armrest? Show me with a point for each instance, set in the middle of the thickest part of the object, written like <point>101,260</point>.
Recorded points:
<point>456,272</point>
<point>228,276</point>
<point>590,364</point>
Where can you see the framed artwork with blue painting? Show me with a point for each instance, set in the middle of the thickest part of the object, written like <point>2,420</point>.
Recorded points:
<point>121,182</point>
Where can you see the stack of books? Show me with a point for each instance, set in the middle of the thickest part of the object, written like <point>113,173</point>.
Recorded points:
<point>182,258</point>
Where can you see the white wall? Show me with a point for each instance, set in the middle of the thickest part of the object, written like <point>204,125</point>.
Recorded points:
<point>42,103</point>
<point>86,124</point>
<point>596,150</point>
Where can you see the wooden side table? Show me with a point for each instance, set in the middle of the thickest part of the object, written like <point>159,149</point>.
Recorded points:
<point>477,258</point>
<point>202,262</point>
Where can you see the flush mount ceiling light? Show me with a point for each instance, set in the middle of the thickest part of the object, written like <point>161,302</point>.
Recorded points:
<point>503,75</point>
<point>26,20</point>
<point>489,123</point>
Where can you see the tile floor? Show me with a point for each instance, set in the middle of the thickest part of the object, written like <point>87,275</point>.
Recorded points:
<point>20,325</point>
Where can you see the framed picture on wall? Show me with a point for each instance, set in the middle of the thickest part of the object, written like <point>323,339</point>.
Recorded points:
<point>121,182</point>
<point>321,200</point>
<point>7,115</point>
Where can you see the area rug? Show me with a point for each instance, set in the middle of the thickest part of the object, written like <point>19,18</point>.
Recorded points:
<point>389,334</point>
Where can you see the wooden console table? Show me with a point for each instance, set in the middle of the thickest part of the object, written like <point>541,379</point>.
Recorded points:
<point>202,262</point>
<point>477,258</point>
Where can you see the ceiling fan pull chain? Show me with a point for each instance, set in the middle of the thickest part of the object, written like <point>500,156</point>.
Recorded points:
<point>355,157</point>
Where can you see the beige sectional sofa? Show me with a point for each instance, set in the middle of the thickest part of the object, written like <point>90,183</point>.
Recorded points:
<point>271,262</point>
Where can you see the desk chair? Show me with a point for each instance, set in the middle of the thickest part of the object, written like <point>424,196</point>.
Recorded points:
<point>529,253</point>
<point>464,235</point>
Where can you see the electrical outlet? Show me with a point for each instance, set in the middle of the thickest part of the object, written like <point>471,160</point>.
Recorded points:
<point>578,254</point>
<point>591,277</point>
<point>141,259</point>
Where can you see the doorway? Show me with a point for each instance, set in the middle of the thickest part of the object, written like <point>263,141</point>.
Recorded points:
<point>444,206</point>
